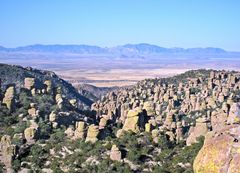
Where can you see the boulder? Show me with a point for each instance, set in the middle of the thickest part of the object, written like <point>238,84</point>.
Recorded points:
<point>220,152</point>
<point>59,100</point>
<point>218,120</point>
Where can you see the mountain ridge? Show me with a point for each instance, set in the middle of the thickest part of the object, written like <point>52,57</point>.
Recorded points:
<point>141,48</point>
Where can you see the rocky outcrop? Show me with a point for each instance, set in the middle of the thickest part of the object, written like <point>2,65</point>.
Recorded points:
<point>220,152</point>
<point>92,133</point>
<point>30,134</point>
<point>29,83</point>
<point>132,121</point>
<point>149,108</point>
<point>79,132</point>
<point>234,114</point>
<point>32,111</point>
<point>9,97</point>
<point>52,117</point>
<point>69,132</point>
<point>115,154</point>
<point>48,84</point>
<point>8,151</point>
<point>200,129</point>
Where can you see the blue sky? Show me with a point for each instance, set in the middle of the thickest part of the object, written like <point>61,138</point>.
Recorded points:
<point>167,23</point>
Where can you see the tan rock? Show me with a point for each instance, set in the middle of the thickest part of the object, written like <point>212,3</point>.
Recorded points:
<point>200,129</point>
<point>220,152</point>
<point>179,132</point>
<point>79,132</point>
<point>92,133</point>
<point>7,151</point>
<point>131,123</point>
<point>103,123</point>
<point>234,114</point>
<point>168,121</point>
<point>155,134</point>
<point>30,134</point>
<point>115,154</point>
<point>9,97</point>
<point>149,107</point>
<point>73,102</point>
<point>48,84</point>
<point>69,132</point>
<point>29,83</point>
<point>148,127</point>
<point>5,141</point>
<point>119,133</point>
<point>218,120</point>
<point>32,112</point>
<point>52,116</point>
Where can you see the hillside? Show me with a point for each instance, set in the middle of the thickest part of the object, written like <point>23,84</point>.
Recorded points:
<point>11,74</point>
<point>169,125</point>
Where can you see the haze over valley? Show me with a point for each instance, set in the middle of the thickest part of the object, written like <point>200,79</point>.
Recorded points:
<point>120,65</point>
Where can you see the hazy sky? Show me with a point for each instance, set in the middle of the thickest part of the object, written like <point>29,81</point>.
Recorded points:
<point>167,23</point>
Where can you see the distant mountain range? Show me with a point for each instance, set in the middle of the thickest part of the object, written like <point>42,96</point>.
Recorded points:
<point>128,49</point>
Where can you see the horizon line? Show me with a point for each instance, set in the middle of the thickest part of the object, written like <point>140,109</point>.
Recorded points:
<point>94,45</point>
